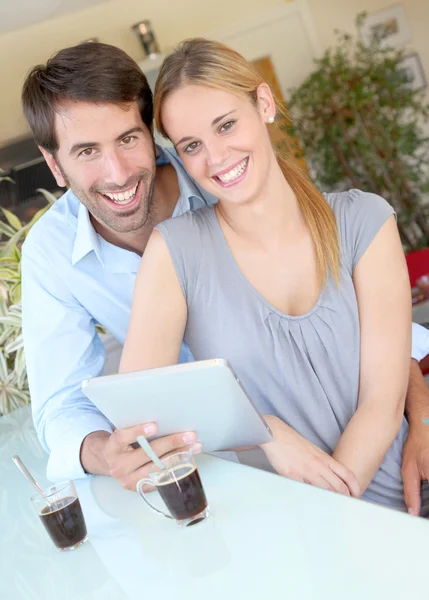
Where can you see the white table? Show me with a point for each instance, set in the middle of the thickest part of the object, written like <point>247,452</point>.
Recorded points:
<point>268,538</point>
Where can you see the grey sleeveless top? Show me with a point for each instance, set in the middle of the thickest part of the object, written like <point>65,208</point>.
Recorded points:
<point>303,369</point>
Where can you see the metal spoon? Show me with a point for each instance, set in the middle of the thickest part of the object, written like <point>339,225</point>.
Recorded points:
<point>150,452</point>
<point>29,477</point>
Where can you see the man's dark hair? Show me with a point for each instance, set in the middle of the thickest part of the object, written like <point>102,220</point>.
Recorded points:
<point>89,72</point>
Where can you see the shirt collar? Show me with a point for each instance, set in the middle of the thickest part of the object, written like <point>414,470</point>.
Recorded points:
<point>86,239</point>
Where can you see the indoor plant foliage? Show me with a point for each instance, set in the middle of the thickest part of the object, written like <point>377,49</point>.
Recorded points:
<point>360,125</point>
<point>13,376</point>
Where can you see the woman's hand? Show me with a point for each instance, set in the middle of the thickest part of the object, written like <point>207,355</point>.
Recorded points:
<point>292,456</point>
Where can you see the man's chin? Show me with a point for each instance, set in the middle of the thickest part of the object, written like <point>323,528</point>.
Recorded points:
<point>127,222</point>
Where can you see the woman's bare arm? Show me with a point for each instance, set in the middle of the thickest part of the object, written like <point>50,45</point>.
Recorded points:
<point>383,293</point>
<point>159,312</point>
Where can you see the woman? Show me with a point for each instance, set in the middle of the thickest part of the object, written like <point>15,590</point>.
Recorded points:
<point>307,296</point>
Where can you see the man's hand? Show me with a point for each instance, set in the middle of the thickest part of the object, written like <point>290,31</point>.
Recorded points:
<point>294,457</point>
<point>113,454</point>
<point>415,456</point>
<point>415,465</point>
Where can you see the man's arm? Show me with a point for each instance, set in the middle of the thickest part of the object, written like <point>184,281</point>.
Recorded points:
<point>62,348</point>
<point>417,399</point>
<point>415,457</point>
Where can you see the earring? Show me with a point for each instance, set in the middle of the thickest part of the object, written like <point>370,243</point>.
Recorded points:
<point>270,119</point>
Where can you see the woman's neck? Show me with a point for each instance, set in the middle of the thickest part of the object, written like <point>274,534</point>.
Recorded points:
<point>269,216</point>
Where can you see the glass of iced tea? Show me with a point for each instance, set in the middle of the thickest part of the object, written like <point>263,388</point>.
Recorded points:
<point>61,514</point>
<point>180,487</point>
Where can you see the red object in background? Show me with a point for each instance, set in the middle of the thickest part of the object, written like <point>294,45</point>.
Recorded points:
<point>418,264</point>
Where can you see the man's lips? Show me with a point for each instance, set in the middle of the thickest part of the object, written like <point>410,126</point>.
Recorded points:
<point>124,203</point>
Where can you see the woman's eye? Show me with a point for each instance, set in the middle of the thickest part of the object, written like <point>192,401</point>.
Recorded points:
<point>226,126</point>
<point>190,147</point>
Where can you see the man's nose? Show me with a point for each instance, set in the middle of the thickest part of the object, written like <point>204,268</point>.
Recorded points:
<point>116,170</point>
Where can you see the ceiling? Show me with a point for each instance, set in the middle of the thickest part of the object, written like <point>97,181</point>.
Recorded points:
<point>23,13</point>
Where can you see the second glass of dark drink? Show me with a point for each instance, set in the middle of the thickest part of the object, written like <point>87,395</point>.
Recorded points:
<point>180,487</point>
<point>61,514</point>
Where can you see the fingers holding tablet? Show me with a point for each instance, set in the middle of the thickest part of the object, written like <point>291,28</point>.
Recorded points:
<point>128,464</point>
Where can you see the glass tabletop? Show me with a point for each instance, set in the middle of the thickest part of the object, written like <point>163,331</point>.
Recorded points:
<point>268,537</point>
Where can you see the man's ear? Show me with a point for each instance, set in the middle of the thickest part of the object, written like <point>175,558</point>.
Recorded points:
<point>52,164</point>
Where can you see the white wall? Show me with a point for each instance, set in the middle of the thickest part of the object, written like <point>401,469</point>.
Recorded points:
<point>172,21</point>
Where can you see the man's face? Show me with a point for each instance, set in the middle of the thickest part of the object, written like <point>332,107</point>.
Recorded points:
<point>106,156</point>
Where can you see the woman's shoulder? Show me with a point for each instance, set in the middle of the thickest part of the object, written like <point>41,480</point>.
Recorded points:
<point>192,220</point>
<point>356,210</point>
<point>185,235</point>
<point>359,215</point>
<point>354,202</point>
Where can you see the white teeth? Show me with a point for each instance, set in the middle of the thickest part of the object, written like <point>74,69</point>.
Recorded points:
<point>234,173</point>
<point>123,197</point>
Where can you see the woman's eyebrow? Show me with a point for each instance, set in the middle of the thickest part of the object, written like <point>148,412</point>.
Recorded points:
<point>214,122</point>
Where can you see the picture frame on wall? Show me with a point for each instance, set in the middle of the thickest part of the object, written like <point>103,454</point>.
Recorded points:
<point>390,24</point>
<point>412,64</point>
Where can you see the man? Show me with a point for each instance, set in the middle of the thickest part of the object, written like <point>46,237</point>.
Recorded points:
<point>90,110</point>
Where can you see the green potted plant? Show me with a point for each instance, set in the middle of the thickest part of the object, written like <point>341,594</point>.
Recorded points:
<point>360,124</point>
<point>13,376</point>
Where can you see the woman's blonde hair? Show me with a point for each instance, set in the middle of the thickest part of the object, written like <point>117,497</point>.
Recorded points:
<point>204,62</point>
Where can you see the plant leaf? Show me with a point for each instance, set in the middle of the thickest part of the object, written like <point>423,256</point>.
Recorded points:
<point>12,219</point>
<point>4,372</point>
<point>50,198</point>
<point>14,345</point>
<point>7,248</point>
<point>6,229</point>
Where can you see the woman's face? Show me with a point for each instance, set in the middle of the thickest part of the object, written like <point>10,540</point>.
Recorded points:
<point>222,139</point>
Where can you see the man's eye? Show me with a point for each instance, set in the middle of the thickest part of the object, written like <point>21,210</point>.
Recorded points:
<point>127,140</point>
<point>226,126</point>
<point>87,152</point>
<point>191,147</point>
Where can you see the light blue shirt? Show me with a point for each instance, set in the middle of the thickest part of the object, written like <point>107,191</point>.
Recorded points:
<point>73,279</point>
<point>420,340</point>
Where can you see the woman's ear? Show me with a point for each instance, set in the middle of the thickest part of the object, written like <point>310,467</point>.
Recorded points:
<point>266,103</point>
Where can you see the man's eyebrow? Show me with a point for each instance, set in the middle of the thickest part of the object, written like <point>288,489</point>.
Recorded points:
<point>135,129</point>
<point>83,145</point>
<point>214,122</point>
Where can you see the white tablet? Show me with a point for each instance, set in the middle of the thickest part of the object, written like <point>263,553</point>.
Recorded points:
<point>203,396</point>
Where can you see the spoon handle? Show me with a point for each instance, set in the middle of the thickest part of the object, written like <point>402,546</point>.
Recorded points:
<point>150,452</point>
<point>28,475</point>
